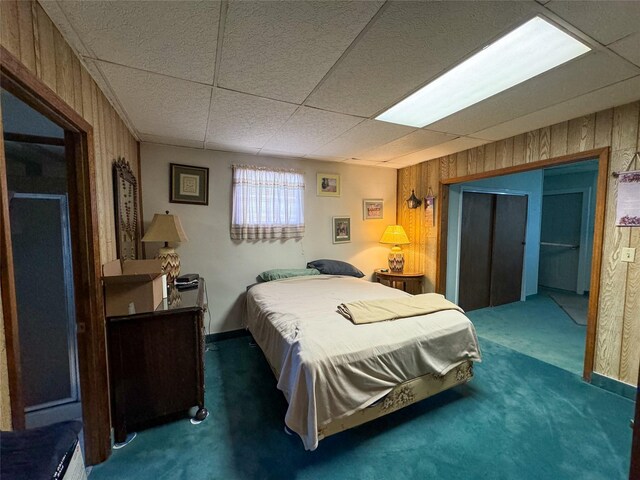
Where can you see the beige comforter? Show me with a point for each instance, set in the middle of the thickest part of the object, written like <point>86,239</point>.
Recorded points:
<point>327,366</point>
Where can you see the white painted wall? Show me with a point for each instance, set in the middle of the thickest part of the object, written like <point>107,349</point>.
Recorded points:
<point>230,266</point>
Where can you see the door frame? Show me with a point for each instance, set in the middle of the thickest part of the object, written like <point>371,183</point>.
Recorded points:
<point>602,155</point>
<point>90,318</point>
<point>488,191</point>
<point>585,220</point>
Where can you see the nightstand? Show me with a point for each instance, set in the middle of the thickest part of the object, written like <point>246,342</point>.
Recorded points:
<point>408,282</point>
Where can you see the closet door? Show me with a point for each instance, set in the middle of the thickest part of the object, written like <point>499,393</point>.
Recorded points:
<point>475,250</point>
<point>509,228</point>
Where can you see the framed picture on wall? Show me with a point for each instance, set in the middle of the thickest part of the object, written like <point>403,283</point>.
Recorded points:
<point>372,209</point>
<point>188,184</point>
<point>328,185</point>
<point>341,229</point>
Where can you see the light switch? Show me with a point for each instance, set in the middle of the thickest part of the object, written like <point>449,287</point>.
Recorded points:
<point>628,254</point>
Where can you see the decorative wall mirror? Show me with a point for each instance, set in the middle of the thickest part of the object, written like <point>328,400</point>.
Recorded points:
<point>125,194</point>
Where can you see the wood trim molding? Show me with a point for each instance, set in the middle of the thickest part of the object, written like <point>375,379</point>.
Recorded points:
<point>602,154</point>
<point>9,304</point>
<point>25,138</point>
<point>35,93</point>
<point>596,263</point>
<point>441,241</point>
<point>525,167</point>
<point>90,317</point>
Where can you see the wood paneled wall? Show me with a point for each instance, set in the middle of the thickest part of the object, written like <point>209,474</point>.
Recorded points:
<point>617,351</point>
<point>27,32</point>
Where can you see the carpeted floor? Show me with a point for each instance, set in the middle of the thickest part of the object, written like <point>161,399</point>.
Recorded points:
<point>519,418</point>
<point>537,327</point>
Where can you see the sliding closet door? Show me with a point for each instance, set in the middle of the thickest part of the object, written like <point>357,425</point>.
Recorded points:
<point>475,250</point>
<point>509,228</point>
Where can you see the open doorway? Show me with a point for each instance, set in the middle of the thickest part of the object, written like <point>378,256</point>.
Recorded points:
<point>559,271</point>
<point>566,242</point>
<point>49,188</point>
<point>43,264</point>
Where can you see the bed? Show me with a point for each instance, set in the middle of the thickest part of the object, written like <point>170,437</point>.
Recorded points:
<point>46,453</point>
<point>335,374</point>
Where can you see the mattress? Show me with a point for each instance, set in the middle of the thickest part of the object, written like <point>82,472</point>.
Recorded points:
<point>326,366</point>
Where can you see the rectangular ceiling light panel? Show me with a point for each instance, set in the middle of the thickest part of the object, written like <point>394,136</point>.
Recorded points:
<point>529,50</point>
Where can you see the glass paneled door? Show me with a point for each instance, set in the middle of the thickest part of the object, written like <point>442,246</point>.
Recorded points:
<point>40,234</point>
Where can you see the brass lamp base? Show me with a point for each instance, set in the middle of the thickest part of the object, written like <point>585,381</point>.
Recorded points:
<point>170,263</point>
<point>396,259</point>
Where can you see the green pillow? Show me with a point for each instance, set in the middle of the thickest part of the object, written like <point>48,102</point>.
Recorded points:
<point>278,273</point>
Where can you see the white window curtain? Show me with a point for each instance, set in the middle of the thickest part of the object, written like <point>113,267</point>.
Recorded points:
<point>267,203</point>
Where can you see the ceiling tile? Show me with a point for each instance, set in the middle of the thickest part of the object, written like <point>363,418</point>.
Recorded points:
<point>309,129</point>
<point>417,140</point>
<point>245,120</point>
<point>407,161</point>
<point>325,158</point>
<point>230,147</point>
<point>446,148</point>
<point>282,50</point>
<point>162,105</point>
<point>605,21</point>
<point>277,153</point>
<point>628,47</point>
<point>409,44</point>
<point>610,96</point>
<point>365,136</point>
<point>388,165</point>
<point>174,38</point>
<point>583,75</point>
<point>178,142</point>
<point>362,163</point>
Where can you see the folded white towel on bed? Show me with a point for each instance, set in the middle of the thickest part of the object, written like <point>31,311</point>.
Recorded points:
<point>370,311</point>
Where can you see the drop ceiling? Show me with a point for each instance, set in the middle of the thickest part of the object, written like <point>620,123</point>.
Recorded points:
<point>307,79</point>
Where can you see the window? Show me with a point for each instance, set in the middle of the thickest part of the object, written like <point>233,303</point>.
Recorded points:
<point>267,203</point>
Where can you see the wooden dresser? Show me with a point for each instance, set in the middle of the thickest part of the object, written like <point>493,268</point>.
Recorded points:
<point>156,363</point>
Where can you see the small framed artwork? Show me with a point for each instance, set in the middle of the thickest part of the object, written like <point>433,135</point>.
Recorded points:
<point>328,185</point>
<point>341,229</point>
<point>430,208</point>
<point>628,207</point>
<point>372,209</point>
<point>189,184</point>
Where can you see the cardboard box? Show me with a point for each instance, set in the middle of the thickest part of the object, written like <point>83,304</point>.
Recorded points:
<point>133,286</point>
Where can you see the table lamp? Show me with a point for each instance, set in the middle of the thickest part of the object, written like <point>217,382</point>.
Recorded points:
<point>396,236</point>
<point>167,228</point>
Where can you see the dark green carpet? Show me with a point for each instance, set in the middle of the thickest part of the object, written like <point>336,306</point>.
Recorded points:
<point>537,327</point>
<point>519,418</point>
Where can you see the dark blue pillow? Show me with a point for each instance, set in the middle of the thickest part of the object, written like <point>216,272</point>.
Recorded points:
<point>335,267</point>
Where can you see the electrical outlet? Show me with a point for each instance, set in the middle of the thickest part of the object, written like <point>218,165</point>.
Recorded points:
<point>628,254</point>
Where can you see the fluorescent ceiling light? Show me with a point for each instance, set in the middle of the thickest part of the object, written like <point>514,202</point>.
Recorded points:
<point>529,50</point>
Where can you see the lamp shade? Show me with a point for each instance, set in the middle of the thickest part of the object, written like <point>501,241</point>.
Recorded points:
<point>165,228</point>
<point>395,235</point>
